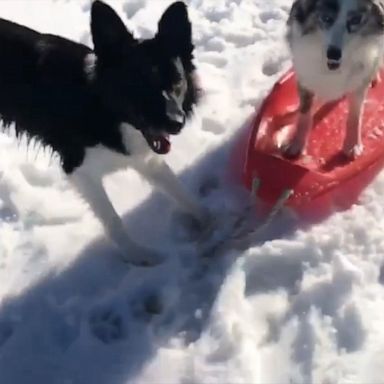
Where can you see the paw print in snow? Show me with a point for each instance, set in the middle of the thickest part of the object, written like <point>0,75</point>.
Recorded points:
<point>107,326</point>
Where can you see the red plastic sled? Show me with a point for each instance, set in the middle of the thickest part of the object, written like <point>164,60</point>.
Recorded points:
<point>323,180</point>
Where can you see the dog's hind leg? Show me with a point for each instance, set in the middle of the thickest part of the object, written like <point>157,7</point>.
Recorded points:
<point>353,146</point>
<point>92,190</point>
<point>159,173</point>
<point>296,145</point>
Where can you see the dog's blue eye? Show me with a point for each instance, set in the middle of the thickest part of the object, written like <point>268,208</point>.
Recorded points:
<point>354,22</point>
<point>326,19</point>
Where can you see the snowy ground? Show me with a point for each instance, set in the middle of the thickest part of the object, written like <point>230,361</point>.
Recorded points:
<point>306,307</point>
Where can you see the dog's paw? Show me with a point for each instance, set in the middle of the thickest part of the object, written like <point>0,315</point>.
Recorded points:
<point>353,152</point>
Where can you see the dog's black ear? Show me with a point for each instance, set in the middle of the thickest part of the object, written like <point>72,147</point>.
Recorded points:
<point>175,30</point>
<point>110,35</point>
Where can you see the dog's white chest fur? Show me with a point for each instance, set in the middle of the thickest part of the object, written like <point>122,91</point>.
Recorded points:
<point>100,160</point>
<point>360,60</point>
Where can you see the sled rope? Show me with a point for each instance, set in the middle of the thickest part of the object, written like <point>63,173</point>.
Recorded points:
<point>256,183</point>
<point>237,236</point>
<point>243,239</point>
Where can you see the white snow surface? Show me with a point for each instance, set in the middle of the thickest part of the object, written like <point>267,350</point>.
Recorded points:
<point>306,306</point>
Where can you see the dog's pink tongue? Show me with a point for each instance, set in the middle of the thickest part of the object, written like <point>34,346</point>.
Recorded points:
<point>161,145</point>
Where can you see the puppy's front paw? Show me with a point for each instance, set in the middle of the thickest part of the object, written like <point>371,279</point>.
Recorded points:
<point>295,146</point>
<point>354,151</point>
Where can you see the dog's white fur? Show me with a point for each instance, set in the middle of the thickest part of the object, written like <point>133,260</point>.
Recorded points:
<point>101,161</point>
<point>90,62</point>
<point>359,63</point>
<point>361,59</point>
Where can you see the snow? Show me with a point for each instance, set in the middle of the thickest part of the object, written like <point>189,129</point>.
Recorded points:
<point>303,307</point>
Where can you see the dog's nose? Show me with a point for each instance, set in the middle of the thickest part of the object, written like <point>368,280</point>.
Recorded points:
<point>175,127</point>
<point>333,53</point>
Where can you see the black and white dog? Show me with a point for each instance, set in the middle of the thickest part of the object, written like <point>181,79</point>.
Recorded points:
<point>104,109</point>
<point>337,48</point>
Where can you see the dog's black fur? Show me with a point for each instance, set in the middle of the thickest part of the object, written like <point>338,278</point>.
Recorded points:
<point>46,91</point>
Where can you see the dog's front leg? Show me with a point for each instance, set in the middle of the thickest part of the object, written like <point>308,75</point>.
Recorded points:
<point>353,146</point>
<point>93,192</point>
<point>299,140</point>
<point>158,172</point>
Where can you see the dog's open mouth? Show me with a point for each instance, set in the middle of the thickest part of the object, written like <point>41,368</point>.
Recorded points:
<point>333,64</point>
<point>159,143</point>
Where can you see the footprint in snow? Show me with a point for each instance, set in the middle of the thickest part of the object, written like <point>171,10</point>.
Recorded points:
<point>241,39</point>
<point>210,124</point>
<point>144,307</point>
<point>208,185</point>
<point>217,14</point>
<point>215,44</point>
<point>186,228</point>
<point>107,326</point>
<point>266,16</point>
<point>6,331</point>
<point>214,58</point>
<point>36,177</point>
<point>267,274</point>
<point>271,67</point>
<point>351,333</point>
<point>7,213</point>
<point>381,276</point>
<point>8,210</point>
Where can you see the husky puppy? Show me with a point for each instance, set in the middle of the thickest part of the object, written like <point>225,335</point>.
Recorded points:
<point>106,108</point>
<point>337,48</point>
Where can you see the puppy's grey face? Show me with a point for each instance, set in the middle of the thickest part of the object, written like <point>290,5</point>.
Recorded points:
<point>352,16</point>
<point>338,21</point>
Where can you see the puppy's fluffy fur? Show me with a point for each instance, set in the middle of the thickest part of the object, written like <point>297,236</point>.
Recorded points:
<point>104,109</point>
<point>337,48</point>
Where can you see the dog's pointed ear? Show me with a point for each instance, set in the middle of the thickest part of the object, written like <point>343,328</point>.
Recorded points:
<point>175,30</point>
<point>110,35</point>
<point>301,9</point>
<point>378,12</point>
